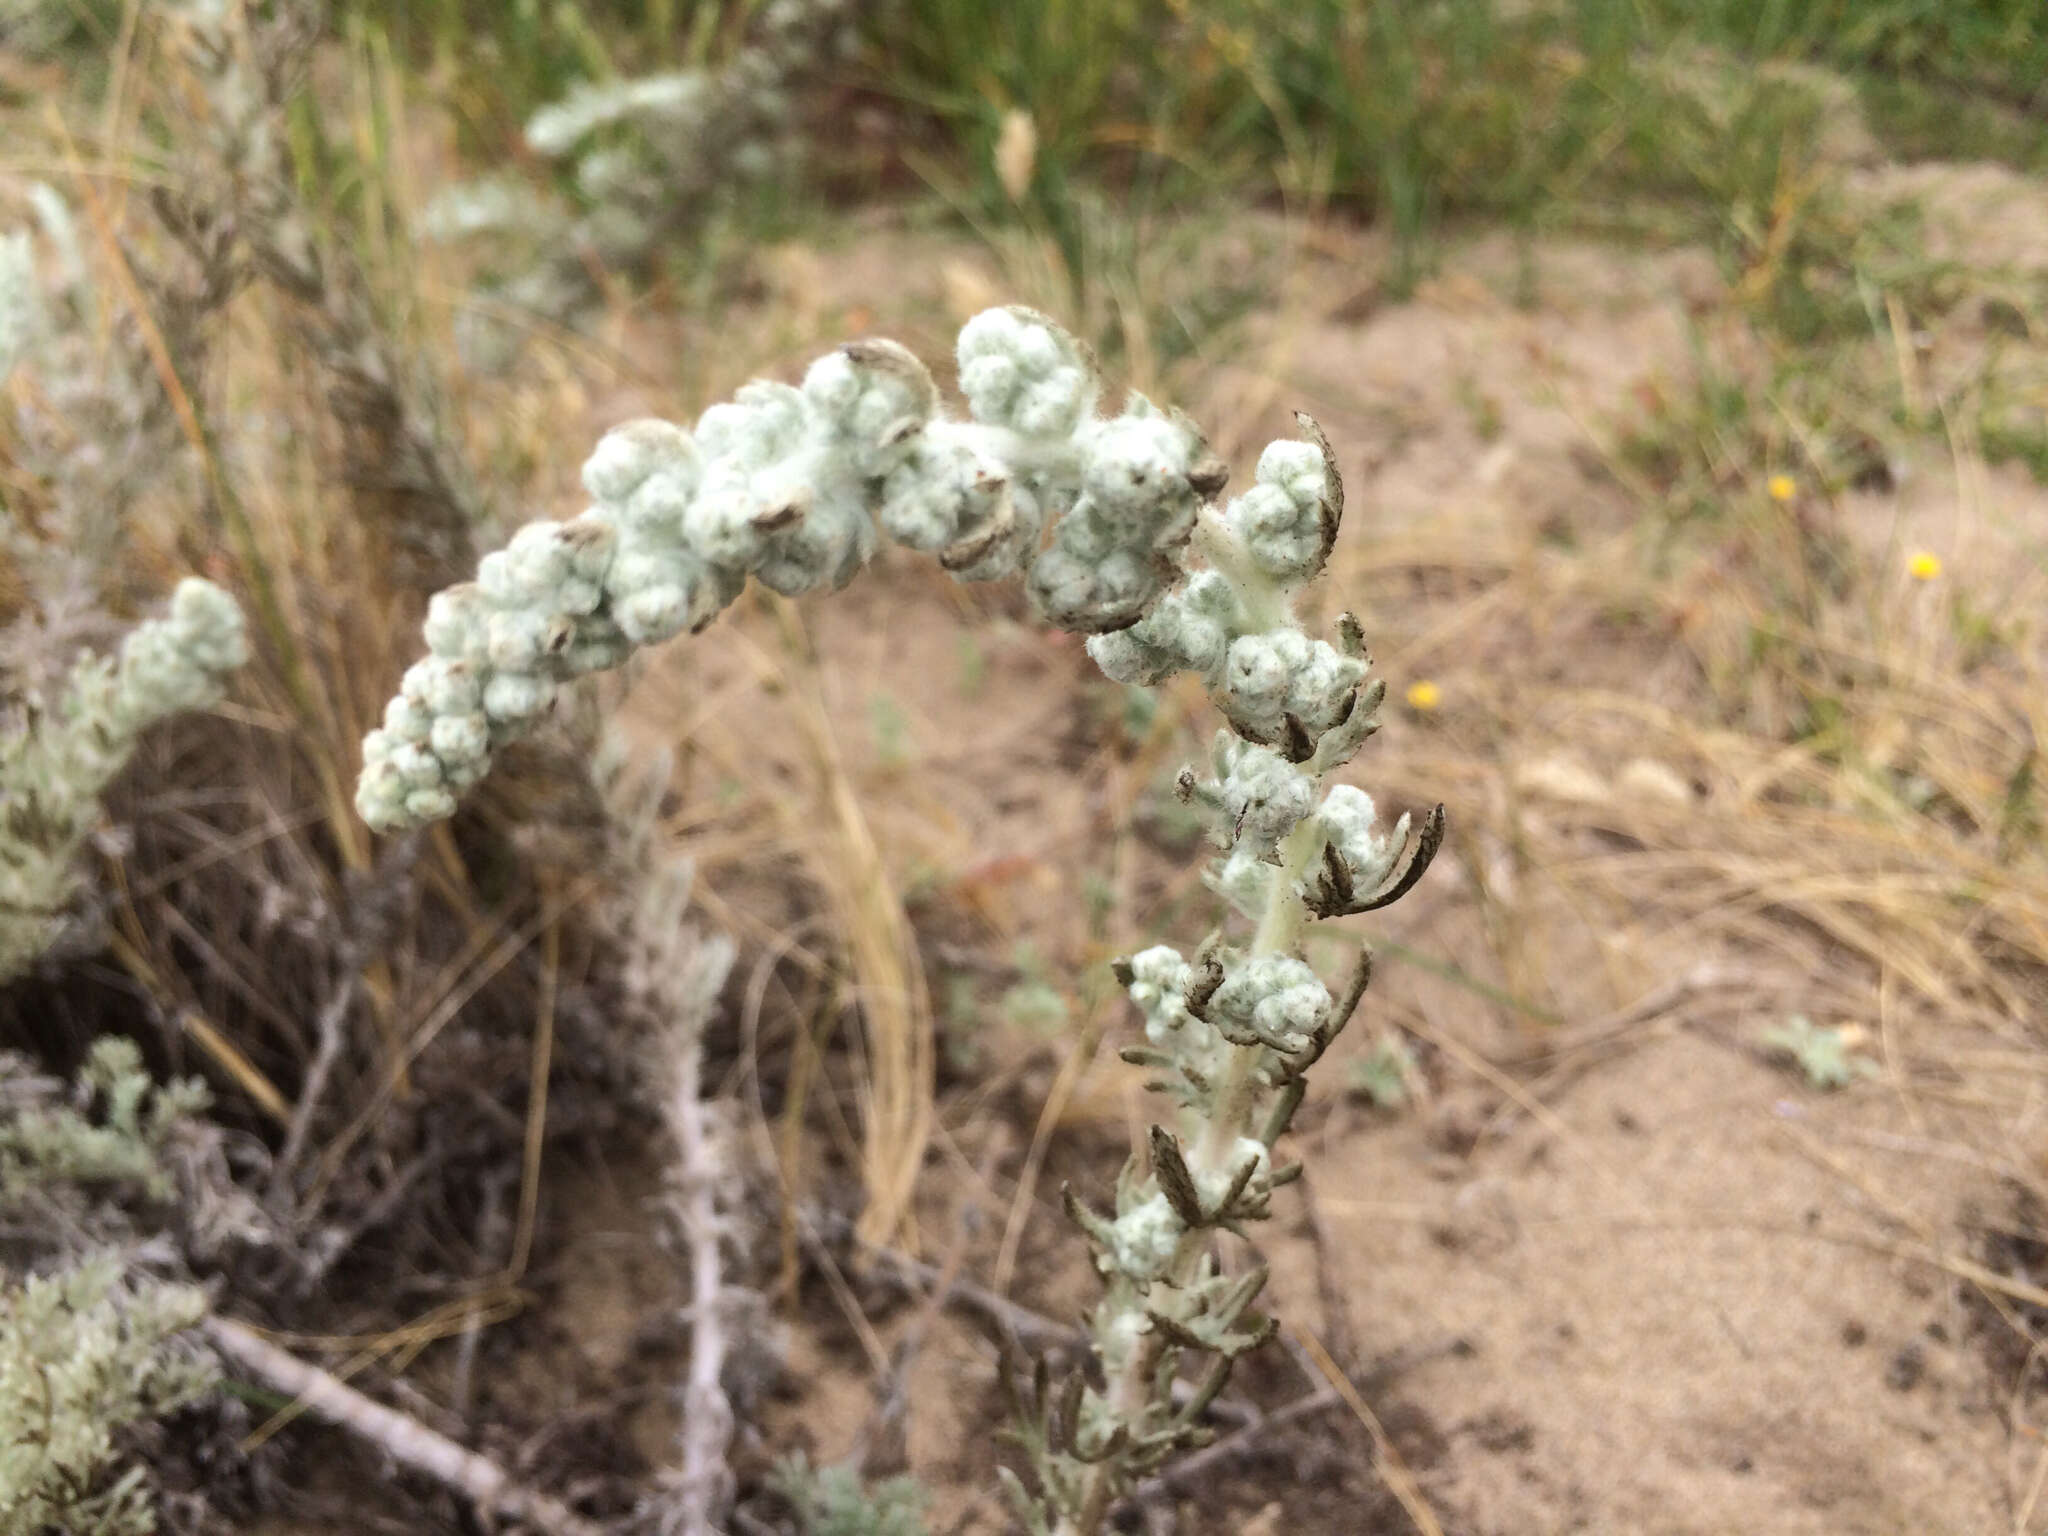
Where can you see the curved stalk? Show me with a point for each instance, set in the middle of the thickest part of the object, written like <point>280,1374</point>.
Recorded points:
<point>1129,1391</point>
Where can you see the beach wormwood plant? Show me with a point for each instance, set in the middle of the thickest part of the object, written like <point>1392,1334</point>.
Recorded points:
<point>54,763</point>
<point>1114,523</point>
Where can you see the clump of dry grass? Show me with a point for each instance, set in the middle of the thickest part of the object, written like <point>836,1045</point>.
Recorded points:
<point>292,443</point>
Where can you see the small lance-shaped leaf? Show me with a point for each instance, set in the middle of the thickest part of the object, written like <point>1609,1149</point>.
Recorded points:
<point>1063,1415</point>
<point>1215,1340</point>
<point>1066,1428</point>
<point>1293,1068</point>
<point>1292,1092</point>
<point>1027,1417</point>
<point>1215,1329</point>
<point>1208,977</point>
<point>1170,1168</point>
<point>1333,497</point>
<point>1331,894</point>
<point>1103,1232</point>
<point>1340,743</point>
<point>1211,1382</point>
<point>1027,1509</point>
<point>1183,1082</point>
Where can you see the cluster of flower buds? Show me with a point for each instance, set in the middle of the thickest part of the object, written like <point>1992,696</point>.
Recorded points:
<point>55,765</point>
<point>1231,1032</point>
<point>1112,523</point>
<point>787,484</point>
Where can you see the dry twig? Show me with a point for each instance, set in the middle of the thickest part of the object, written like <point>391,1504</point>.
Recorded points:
<point>404,1439</point>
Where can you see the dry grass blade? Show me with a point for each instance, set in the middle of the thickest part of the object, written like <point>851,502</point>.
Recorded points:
<point>888,975</point>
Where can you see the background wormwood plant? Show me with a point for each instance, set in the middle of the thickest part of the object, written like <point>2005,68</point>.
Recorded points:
<point>649,161</point>
<point>56,760</point>
<point>1105,517</point>
<point>91,1342</point>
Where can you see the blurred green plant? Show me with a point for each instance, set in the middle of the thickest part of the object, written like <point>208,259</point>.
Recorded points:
<point>89,1344</point>
<point>1824,1053</point>
<point>1388,1073</point>
<point>832,1501</point>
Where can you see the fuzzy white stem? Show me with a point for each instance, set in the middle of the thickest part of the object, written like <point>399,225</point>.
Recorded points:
<point>1267,604</point>
<point>705,1487</point>
<point>1129,1391</point>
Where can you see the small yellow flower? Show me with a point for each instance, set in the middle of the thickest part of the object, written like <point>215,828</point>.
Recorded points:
<point>1924,565</point>
<point>1782,487</point>
<point>1424,696</point>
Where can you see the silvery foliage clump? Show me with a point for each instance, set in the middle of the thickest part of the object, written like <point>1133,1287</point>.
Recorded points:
<point>88,427</point>
<point>237,201</point>
<point>833,1501</point>
<point>649,158</point>
<point>55,760</point>
<point>45,1141</point>
<point>1113,524</point>
<point>91,1341</point>
<point>84,1353</point>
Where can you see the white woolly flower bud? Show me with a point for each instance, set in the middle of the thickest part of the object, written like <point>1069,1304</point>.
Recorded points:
<point>1273,1000</point>
<point>1243,879</point>
<point>431,803</point>
<point>1137,466</point>
<point>1125,657</point>
<point>1282,672</point>
<point>658,589</point>
<point>1143,1240</point>
<point>1092,594</point>
<point>761,422</point>
<point>1019,370</point>
<point>1262,794</point>
<point>457,627</point>
<point>949,492</point>
<point>1159,984</point>
<point>1349,820</point>
<point>599,644</point>
<point>1109,554</point>
<point>523,640</point>
<point>1279,521</point>
<point>516,697</point>
<point>826,546</point>
<point>722,520</point>
<point>873,396</point>
<point>408,719</point>
<point>1215,1186</point>
<point>1187,630</point>
<point>442,687</point>
<point>177,662</point>
<point>629,454</point>
<point>461,738</point>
